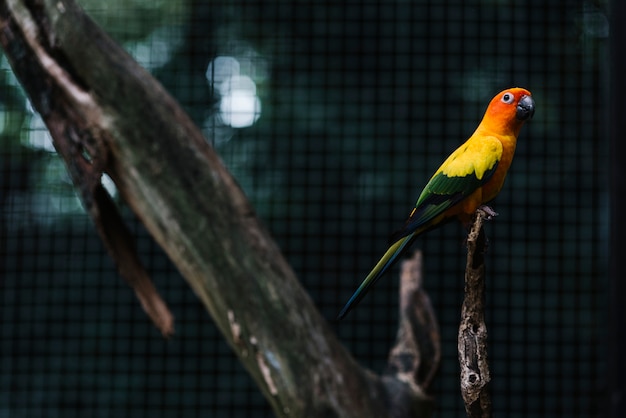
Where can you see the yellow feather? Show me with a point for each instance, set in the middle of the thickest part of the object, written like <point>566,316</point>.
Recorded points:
<point>477,155</point>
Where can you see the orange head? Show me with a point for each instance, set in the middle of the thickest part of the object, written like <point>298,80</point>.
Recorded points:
<point>508,111</point>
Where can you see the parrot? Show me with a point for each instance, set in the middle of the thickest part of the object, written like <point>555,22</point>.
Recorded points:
<point>468,179</point>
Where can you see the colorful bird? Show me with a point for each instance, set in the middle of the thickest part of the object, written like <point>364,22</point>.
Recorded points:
<point>470,177</point>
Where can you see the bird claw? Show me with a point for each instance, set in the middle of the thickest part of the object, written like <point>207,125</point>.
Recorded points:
<point>488,212</point>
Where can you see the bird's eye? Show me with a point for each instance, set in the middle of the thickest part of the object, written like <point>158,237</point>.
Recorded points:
<point>507,98</point>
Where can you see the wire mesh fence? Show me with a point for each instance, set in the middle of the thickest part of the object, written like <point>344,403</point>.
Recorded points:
<point>331,115</point>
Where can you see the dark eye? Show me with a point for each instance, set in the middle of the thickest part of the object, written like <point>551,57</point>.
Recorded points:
<point>507,98</point>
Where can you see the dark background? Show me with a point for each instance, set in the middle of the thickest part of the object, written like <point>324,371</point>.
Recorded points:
<point>360,103</point>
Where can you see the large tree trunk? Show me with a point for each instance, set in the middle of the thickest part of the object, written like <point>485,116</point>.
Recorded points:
<point>106,114</point>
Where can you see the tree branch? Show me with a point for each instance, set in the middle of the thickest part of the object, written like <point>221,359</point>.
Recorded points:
<point>106,114</point>
<point>472,340</point>
<point>417,351</point>
<point>414,359</point>
<point>80,130</point>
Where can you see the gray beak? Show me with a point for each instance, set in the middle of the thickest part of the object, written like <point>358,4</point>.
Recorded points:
<point>525,108</point>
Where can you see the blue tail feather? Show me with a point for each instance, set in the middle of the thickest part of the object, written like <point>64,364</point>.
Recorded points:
<point>387,260</point>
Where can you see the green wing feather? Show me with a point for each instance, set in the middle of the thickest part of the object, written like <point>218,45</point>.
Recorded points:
<point>467,169</point>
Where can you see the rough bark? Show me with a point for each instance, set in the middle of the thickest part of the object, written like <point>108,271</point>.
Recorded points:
<point>107,114</point>
<point>472,339</point>
<point>415,357</point>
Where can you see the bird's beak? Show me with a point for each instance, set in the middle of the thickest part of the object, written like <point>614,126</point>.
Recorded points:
<point>525,108</point>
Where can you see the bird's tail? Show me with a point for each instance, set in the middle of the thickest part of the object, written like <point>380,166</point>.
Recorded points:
<point>387,260</point>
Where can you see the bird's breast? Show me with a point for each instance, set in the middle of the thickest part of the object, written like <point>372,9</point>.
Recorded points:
<point>494,185</point>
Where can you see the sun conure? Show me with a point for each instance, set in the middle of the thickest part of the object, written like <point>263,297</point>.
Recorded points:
<point>470,177</point>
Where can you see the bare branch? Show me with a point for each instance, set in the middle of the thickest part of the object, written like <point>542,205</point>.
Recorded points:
<point>414,359</point>
<point>416,354</point>
<point>472,340</point>
<point>80,131</point>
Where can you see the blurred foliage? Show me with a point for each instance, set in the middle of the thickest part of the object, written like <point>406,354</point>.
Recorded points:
<point>134,20</point>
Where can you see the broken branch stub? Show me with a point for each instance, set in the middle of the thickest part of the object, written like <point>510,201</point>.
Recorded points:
<point>414,359</point>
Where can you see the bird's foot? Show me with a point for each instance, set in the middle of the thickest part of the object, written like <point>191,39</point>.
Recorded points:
<point>489,213</point>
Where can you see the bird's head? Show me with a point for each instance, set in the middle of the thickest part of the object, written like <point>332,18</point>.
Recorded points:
<point>509,109</point>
